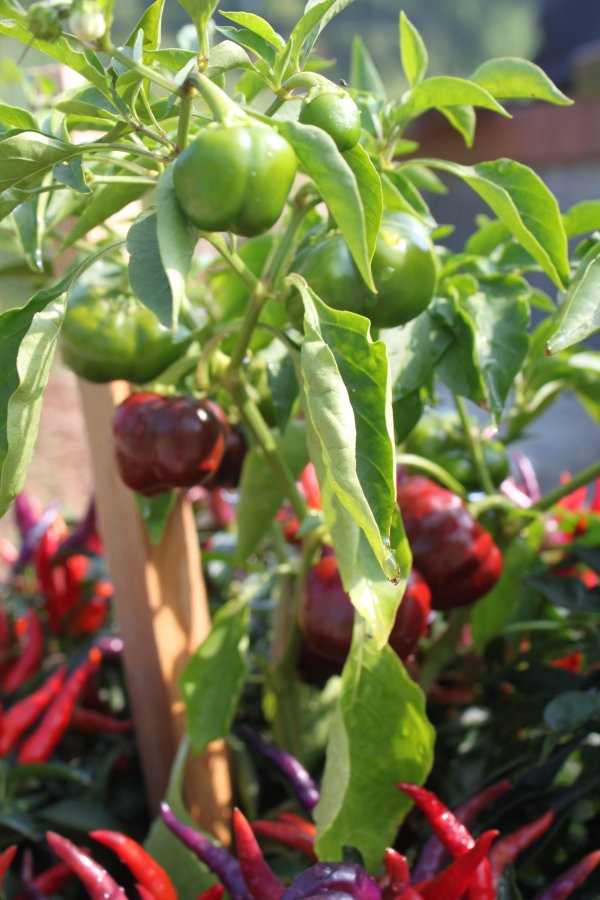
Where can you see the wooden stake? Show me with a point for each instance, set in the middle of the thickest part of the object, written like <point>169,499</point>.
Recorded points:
<point>162,612</point>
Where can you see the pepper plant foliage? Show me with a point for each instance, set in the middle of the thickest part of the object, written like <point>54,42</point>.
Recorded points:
<point>309,380</point>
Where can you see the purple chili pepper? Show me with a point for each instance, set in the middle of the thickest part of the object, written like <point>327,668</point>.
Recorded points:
<point>28,889</point>
<point>304,787</point>
<point>109,645</point>
<point>80,535</point>
<point>518,496</point>
<point>220,861</point>
<point>33,536</point>
<point>565,884</point>
<point>336,881</point>
<point>26,513</point>
<point>528,476</point>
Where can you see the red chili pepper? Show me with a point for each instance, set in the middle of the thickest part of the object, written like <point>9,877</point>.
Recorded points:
<point>215,892</point>
<point>97,881</point>
<point>146,870</point>
<point>89,617</point>
<point>565,884</point>
<point>287,834</point>
<point>39,746</point>
<point>455,838</point>
<point>23,714</point>
<point>260,880</point>
<point>28,661</point>
<point>396,867</point>
<point>144,893</point>
<point>294,819</point>
<point>6,857</point>
<point>508,848</point>
<point>93,722</point>
<point>49,882</point>
<point>454,880</point>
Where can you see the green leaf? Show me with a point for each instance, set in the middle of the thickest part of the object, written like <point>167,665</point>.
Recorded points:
<point>582,218</point>
<point>258,25</point>
<point>446,90</point>
<point>317,13</point>
<point>348,407</point>
<point>369,186</point>
<point>10,199</point>
<point>413,352</point>
<point>29,222</point>
<point>106,200</point>
<point>226,56</point>
<point>380,736</point>
<point>176,241</point>
<point>71,174</point>
<point>147,275</point>
<point>154,513</point>
<point>569,711</point>
<point>201,12</point>
<point>150,26</point>
<point>29,155</point>
<point>15,117</point>
<point>336,182</point>
<point>363,72</point>
<point>412,51</point>
<point>188,874</point>
<point>283,385</point>
<point>500,604</point>
<point>212,680</point>
<point>463,120</point>
<point>511,78</point>
<point>457,366</point>
<point>524,204</point>
<point>28,338</point>
<point>83,61</point>
<point>579,315</point>
<point>400,193</point>
<point>251,41</point>
<point>260,494</point>
<point>501,342</point>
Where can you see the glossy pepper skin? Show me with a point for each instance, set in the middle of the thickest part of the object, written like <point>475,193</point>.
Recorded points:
<point>168,442</point>
<point>326,613</point>
<point>235,178</point>
<point>456,555</point>
<point>404,270</point>
<point>340,880</point>
<point>335,112</point>
<point>109,335</point>
<point>230,468</point>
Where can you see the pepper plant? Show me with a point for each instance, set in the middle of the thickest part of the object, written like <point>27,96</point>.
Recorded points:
<point>285,267</point>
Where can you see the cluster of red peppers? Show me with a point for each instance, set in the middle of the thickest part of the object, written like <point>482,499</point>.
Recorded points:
<point>456,561</point>
<point>162,443</point>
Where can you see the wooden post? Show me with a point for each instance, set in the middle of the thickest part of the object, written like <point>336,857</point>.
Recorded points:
<point>162,611</point>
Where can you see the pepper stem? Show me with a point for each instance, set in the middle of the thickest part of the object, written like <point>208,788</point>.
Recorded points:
<point>475,449</point>
<point>552,497</point>
<point>223,108</point>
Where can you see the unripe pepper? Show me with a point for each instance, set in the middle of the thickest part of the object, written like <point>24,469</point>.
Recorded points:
<point>168,442</point>
<point>456,555</point>
<point>326,613</point>
<point>334,111</point>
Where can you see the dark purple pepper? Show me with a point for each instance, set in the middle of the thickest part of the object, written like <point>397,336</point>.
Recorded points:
<point>342,881</point>
<point>569,881</point>
<point>109,645</point>
<point>77,540</point>
<point>304,787</point>
<point>220,861</point>
<point>26,513</point>
<point>34,534</point>
<point>230,468</point>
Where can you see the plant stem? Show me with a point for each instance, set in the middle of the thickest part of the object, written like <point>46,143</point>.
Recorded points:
<point>123,179</point>
<point>144,71</point>
<point>236,262</point>
<point>266,441</point>
<point>183,125</point>
<point>584,477</point>
<point>443,650</point>
<point>223,108</point>
<point>275,264</point>
<point>276,104</point>
<point>123,148</point>
<point>474,445</point>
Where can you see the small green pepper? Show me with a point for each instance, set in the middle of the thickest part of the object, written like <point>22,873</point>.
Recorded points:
<point>235,177</point>
<point>108,335</point>
<point>334,112</point>
<point>404,269</point>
